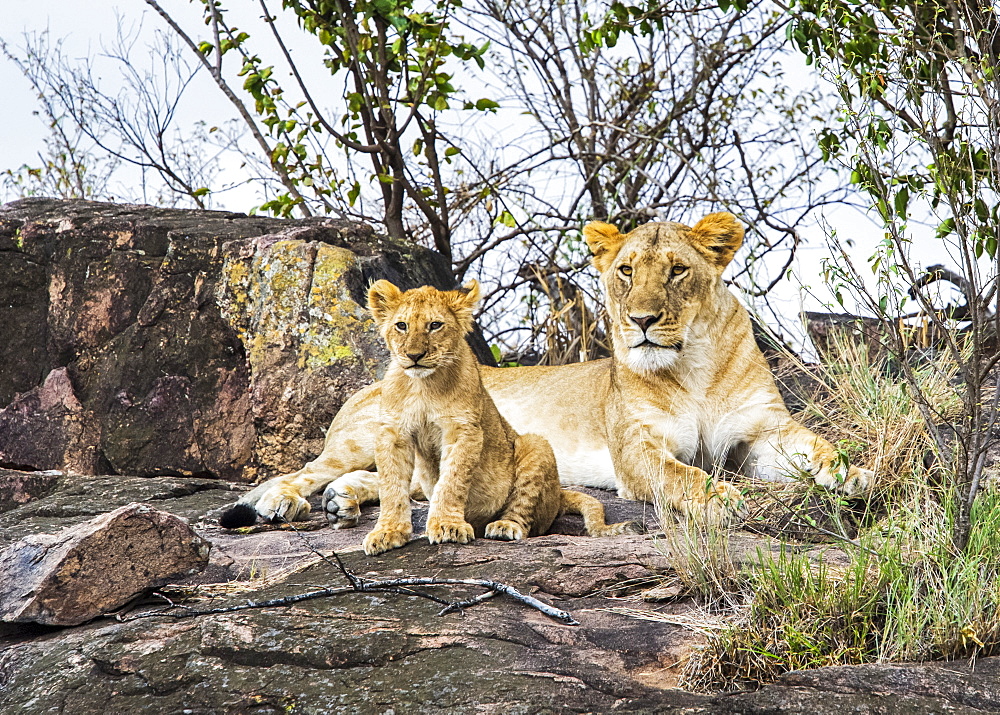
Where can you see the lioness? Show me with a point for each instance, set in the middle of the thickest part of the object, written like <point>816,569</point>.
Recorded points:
<point>686,389</point>
<point>440,431</point>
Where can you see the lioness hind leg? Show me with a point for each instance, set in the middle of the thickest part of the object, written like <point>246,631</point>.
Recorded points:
<point>343,497</point>
<point>592,512</point>
<point>534,502</point>
<point>281,498</point>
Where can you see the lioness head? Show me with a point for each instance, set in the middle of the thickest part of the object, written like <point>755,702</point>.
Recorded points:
<point>657,280</point>
<point>423,327</point>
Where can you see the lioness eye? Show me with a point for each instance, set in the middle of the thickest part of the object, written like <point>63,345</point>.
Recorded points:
<point>625,270</point>
<point>677,270</point>
<point>401,327</point>
<point>435,325</point>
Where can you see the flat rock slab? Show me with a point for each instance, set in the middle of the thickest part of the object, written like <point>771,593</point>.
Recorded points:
<point>376,652</point>
<point>83,571</point>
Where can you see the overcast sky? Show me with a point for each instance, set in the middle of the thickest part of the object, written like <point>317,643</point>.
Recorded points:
<point>83,25</point>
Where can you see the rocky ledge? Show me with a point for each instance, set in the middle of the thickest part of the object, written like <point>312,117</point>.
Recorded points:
<point>391,652</point>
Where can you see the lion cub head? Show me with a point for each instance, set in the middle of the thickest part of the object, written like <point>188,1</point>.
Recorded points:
<point>425,327</point>
<point>658,280</point>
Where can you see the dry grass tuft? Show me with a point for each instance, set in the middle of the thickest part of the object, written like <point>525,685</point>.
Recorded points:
<point>907,594</point>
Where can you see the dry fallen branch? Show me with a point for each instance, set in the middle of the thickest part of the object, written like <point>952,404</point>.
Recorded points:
<point>403,586</point>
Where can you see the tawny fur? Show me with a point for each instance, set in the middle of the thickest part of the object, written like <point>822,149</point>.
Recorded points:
<point>439,431</point>
<point>686,390</point>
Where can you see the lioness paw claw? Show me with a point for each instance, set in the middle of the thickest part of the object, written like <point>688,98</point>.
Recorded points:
<point>440,531</point>
<point>505,530</point>
<point>381,540</point>
<point>342,507</point>
<point>723,505</point>
<point>858,480</point>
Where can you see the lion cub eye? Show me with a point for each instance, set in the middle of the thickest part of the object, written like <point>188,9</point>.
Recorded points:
<point>435,325</point>
<point>401,326</point>
<point>625,270</point>
<point>678,270</point>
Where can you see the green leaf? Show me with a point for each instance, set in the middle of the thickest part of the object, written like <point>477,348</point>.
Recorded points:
<point>353,193</point>
<point>484,105</point>
<point>946,228</point>
<point>901,201</point>
<point>506,219</point>
<point>991,246</point>
<point>452,151</point>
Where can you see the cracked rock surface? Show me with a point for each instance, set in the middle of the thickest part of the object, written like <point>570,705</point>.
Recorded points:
<point>376,652</point>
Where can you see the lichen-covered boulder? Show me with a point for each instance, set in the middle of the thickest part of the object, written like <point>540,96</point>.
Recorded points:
<point>154,341</point>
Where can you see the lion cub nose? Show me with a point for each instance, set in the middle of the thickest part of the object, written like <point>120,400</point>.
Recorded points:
<point>644,321</point>
<point>415,357</point>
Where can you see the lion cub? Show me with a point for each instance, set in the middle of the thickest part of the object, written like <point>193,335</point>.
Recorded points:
<point>441,432</point>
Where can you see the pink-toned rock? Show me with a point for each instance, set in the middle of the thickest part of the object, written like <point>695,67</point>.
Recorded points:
<point>81,572</point>
<point>17,488</point>
<point>46,428</point>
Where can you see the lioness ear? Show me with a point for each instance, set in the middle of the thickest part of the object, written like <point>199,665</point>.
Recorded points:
<point>464,301</point>
<point>604,241</point>
<point>718,236</point>
<point>383,297</point>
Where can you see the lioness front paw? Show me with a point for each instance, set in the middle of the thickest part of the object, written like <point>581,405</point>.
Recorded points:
<point>858,480</point>
<point>442,530</point>
<point>380,540</point>
<point>722,505</point>
<point>341,506</point>
<point>622,527</point>
<point>505,530</point>
<point>282,504</point>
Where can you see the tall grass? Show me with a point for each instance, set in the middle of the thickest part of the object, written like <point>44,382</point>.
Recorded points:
<point>906,593</point>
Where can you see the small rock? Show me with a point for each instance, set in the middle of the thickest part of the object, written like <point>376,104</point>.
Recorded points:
<point>664,592</point>
<point>81,572</point>
<point>17,488</point>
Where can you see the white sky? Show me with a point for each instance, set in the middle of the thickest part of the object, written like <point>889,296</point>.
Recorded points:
<point>83,25</point>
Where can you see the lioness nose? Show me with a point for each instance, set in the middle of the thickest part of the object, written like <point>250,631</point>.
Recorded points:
<point>415,357</point>
<point>644,321</point>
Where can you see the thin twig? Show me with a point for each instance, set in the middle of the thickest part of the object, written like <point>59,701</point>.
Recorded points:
<point>402,586</point>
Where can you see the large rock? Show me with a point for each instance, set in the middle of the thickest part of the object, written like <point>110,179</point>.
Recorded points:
<point>153,341</point>
<point>369,653</point>
<point>81,572</point>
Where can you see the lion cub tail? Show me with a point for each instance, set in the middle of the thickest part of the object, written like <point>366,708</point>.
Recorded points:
<point>592,512</point>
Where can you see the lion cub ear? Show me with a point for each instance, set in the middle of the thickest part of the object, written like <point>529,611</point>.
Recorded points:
<point>383,298</point>
<point>718,236</point>
<point>464,302</point>
<point>604,241</point>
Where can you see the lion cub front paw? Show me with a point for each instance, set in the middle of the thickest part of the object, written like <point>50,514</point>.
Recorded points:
<point>441,530</point>
<point>341,506</point>
<point>505,530</point>
<point>381,540</point>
